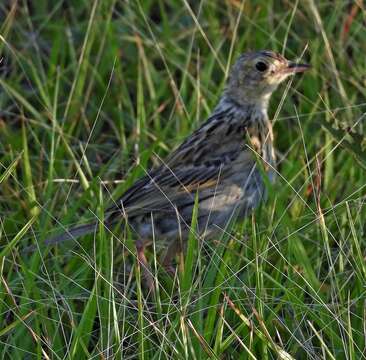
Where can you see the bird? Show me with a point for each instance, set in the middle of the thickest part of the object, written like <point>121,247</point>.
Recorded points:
<point>218,170</point>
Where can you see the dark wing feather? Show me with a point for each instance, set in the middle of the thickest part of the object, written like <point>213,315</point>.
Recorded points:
<point>196,164</point>
<point>164,191</point>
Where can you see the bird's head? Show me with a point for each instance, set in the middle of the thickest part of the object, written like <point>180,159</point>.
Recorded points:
<point>255,76</point>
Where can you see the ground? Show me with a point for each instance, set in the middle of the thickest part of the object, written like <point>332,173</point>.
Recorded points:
<point>93,93</point>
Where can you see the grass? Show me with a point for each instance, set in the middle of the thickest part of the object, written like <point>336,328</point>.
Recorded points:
<point>95,93</point>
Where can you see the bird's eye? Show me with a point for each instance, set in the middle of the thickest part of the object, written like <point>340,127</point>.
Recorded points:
<point>261,66</point>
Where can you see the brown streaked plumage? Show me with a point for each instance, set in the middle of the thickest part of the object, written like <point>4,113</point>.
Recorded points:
<point>216,163</point>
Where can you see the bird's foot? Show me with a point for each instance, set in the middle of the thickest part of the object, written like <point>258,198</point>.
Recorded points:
<point>147,275</point>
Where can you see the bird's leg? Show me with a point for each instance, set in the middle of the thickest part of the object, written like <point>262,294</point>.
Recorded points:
<point>167,262</point>
<point>144,265</point>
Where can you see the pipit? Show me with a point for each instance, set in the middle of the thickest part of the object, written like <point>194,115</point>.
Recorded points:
<point>215,167</point>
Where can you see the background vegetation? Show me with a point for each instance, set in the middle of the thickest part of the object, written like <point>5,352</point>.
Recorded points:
<point>93,93</point>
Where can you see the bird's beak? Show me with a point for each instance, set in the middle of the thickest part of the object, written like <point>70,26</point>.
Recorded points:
<point>293,68</point>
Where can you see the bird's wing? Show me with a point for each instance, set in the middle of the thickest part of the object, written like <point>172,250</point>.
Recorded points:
<point>165,189</point>
<point>198,163</point>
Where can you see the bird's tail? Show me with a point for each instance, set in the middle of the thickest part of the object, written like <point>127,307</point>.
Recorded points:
<point>70,234</point>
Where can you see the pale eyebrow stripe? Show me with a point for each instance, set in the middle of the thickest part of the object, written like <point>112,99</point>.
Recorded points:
<point>273,55</point>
